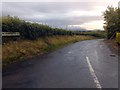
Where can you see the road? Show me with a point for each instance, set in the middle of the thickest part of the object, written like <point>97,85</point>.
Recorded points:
<point>0,65</point>
<point>85,64</point>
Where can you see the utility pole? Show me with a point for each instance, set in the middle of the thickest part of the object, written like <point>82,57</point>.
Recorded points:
<point>119,4</point>
<point>66,27</point>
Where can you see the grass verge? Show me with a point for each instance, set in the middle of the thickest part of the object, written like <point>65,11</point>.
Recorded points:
<point>18,50</point>
<point>114,47</point>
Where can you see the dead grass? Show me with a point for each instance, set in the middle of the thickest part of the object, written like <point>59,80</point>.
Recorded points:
<point>112,44</point>
<point>17,50</point>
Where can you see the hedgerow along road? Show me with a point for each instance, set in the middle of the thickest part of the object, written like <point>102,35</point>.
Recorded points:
<point>85,64</point>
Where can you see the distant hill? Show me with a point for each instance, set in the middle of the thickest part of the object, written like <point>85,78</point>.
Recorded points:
<point>77,29</point>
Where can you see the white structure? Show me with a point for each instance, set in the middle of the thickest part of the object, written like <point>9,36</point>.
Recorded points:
<point>119,4</point>
<point>10,34</point>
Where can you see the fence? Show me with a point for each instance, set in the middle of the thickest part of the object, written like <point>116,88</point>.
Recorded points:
<point>10,34</point>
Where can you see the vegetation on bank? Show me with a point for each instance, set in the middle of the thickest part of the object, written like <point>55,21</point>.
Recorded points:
<point>29,30</point>
<point>33,31</point>
<point>17,50</point>
<point>112,21</point>
<point>112,28</point>
<point>97,34</point>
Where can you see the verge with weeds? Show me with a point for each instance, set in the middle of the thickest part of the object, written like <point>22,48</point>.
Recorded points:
<point>18,50</point>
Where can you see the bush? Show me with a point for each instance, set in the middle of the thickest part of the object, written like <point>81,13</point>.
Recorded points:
<point>112,20</point>
<point>30,30</point>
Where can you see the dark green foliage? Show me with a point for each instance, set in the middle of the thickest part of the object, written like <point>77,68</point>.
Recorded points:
<point>33,31</point>
<point>112,21</point>
<point>30,30</point>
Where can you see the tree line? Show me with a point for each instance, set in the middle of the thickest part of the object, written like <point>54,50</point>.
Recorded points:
<point>30,30</point>
<point>112,21</point>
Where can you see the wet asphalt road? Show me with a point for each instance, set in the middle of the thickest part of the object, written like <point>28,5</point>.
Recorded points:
<point>66,68</point>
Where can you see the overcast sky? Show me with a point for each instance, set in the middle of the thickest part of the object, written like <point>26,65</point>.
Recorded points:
<point>73,14</point>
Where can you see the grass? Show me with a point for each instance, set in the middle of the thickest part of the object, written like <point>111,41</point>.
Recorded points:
<point>97,34</point>
<point>18,50</point>
<point>114,47</point>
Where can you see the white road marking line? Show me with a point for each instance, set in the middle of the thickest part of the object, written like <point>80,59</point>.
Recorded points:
<point>93,74</point>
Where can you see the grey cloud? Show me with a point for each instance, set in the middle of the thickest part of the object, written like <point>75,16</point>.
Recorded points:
<point>50,7</point>
<point>51,12</point>
<point>67,20</point>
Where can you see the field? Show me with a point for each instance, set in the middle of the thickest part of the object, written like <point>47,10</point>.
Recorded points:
<point>98,34</point>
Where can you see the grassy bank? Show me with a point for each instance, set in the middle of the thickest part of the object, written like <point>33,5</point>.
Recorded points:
<point>114,47</point>
<point>17,50</point>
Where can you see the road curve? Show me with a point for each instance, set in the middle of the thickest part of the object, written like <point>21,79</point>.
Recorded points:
<point>85,64</point>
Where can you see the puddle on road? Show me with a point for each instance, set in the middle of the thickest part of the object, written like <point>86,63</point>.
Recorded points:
<point>112,55</point>
<point>69,52</point>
